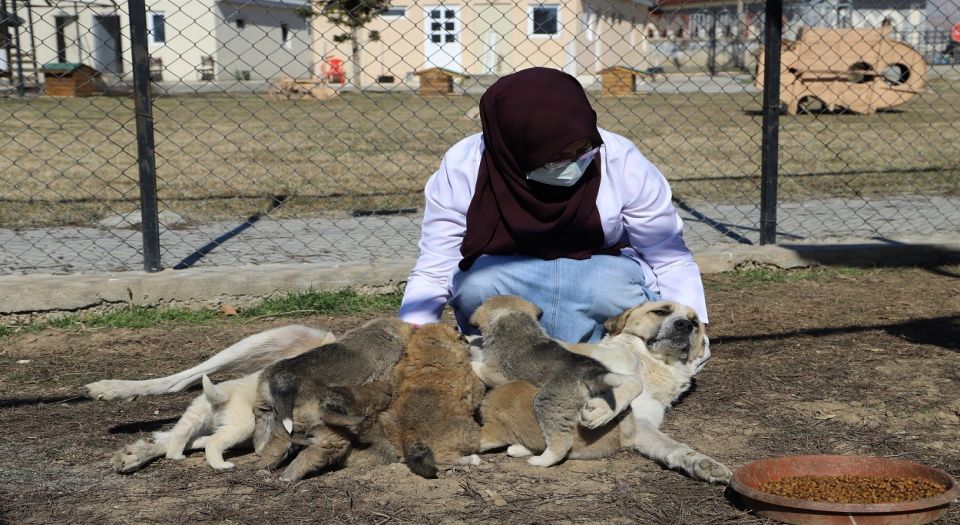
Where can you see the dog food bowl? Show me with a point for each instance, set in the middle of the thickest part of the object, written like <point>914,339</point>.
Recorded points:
<point>747,480</point>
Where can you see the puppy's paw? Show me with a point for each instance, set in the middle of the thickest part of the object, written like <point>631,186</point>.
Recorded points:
<point>544,460</point>
<point>221,465</point>
<point>291,473</point>
<point>711,471</point>
<point>175,456</point>
<point>472,460</point>
<point>110,389</point>
<point>596,413</point>
<point>518,451</point>
<point>133,457</point>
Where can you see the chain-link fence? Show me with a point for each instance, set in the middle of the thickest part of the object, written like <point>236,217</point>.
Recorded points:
<point>291,131</point>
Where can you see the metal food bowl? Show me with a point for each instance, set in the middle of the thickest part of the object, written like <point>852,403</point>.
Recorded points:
<point>746,481</point>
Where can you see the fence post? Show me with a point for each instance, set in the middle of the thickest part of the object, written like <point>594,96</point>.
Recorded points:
<point>772,32</point>
<point>146,160</point>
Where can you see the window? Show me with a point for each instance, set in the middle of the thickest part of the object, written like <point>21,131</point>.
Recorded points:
<point>285,39</point>
<point>394,12</point>
<point>543,20</point>
<point>157,28</point>
<point>241,23</point>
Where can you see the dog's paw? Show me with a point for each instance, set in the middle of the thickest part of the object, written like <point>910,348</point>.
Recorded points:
<point>711,471</point>
<point>221,465</point>
<point>291,473</point>
<point>472,460</point>
<point>133,457</point>
<point>544,460</point>
<point>175,456</point>
<point>518,451</point>
<point>110,389</point>
<point>596,413</point>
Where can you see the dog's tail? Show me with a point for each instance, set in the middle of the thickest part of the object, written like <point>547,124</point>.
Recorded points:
<point>419,458</point>
<point>214,396</point>
<point>246,356</point>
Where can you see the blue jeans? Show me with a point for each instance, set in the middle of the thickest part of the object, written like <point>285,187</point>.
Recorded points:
<point>576,296</point>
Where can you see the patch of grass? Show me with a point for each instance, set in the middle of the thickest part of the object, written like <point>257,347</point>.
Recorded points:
<point>311,302</point>
<point>321,302</point>
<point>750,277</point>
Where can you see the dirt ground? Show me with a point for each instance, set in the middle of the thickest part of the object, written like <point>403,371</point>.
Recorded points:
<point>841,364</point>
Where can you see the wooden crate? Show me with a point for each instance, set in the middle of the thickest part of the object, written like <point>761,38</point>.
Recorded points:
<point>437,81</point>
<point>620,81</point>
<point>69,80</point>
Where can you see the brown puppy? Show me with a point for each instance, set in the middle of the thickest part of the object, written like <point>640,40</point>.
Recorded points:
<point>431,420</point>
<point>364,354</point>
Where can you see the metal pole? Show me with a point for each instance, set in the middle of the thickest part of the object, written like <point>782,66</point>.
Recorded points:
<point>712,49</point>
<point>146,160</point>
<point>16,39</point>
<point>772,33</point>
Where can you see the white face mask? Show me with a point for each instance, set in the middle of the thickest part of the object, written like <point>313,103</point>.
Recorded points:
<point>563,173</point>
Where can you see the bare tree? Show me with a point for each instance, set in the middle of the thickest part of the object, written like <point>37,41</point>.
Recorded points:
<point>352,16</point>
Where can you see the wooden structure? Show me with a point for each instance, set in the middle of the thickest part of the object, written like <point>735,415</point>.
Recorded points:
<point>437,81</point>
<point>621,81</point>
<point>860,70</point>
<point>64,79</point>
<point>301,89</point>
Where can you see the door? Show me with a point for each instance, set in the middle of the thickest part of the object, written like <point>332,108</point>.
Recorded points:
<point>443,47</point>
<point>107,51</point>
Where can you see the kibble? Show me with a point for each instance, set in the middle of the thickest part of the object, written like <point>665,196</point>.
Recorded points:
<point>853,489</point>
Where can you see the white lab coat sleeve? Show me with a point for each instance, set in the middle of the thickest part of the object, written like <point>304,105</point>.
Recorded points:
<point>655,231</point>
<point>447,197</point>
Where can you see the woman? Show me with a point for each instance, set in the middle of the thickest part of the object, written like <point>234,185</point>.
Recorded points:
<point>545,205</point>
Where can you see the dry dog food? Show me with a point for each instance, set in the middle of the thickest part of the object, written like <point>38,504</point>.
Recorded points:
<point>853,489</point>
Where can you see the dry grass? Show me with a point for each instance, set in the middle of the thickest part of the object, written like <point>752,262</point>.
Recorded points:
<point>72,161</point>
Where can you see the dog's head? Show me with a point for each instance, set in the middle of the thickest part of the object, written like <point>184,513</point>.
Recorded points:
<point>436,341</point>
<point>343,406</point>
<point>499,305</point>
<point>671,331</point>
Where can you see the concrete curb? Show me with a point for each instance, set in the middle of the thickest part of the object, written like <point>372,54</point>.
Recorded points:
<point>244,285</point>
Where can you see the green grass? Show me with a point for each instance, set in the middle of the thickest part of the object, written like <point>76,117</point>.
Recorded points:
<point>311,302</point>
<point>751,277</point>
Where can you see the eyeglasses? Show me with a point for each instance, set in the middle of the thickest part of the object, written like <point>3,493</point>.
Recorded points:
<point>564,163</point>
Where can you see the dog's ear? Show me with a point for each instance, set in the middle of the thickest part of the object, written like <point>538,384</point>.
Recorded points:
<point>615,324</point>
<point>479,317</point>
<point>538,311</point>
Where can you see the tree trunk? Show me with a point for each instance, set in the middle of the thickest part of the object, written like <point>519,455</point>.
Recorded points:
<point>355,52</point>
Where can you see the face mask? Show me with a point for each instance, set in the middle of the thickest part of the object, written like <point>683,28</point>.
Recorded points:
<point>563,173</point>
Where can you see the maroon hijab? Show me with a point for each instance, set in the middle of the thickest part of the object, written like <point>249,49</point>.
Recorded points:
<point>528,118</point>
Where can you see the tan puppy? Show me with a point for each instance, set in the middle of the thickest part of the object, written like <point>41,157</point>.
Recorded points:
<point>215,421</point>
<point>431,420</point>
<point>662,343</point>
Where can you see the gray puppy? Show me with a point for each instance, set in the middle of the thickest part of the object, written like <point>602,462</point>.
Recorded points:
<point>306,384</point>
<point>516,348</point>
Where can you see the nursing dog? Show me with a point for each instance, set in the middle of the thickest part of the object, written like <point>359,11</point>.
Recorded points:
<point>431,420</point>
<point>306,384</point>
<point>664,345</point>
<point>573,388</point>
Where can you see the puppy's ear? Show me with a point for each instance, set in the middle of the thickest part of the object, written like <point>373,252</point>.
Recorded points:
<point>538,311</point>
<point>479,317</point>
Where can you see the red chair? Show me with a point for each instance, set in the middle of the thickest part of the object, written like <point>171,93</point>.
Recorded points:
<point>333,70</point>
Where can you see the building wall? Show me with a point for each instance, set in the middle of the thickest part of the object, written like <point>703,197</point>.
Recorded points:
<point>258,46</point>
<point>189,37</point>
<point>496,39</point>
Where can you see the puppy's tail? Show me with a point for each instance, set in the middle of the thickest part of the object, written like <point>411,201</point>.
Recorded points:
<point>214,396</point>
<point>420,460</point>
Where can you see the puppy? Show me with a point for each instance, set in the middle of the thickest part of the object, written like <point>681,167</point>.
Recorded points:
<point>248,355</point>
<point>215,421</point>
<point>431,420</point>
<point>340,428</point>
<point>663,343</point>
<point>572,387</point>
<point>365,354</point>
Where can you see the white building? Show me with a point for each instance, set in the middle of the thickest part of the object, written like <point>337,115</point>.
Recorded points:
<point>188,40</point>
